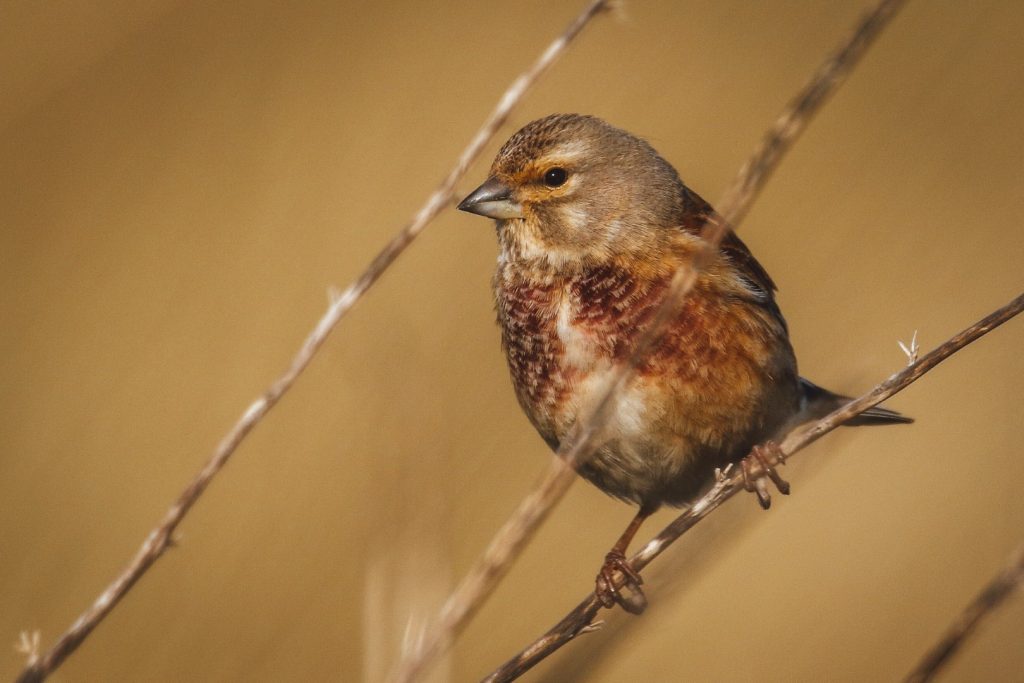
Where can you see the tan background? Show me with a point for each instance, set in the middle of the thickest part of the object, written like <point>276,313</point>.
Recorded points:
<point>181,182</point>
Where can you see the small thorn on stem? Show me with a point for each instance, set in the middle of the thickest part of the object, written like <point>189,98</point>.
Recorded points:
<point>912,350</point>
<point>28,645</point>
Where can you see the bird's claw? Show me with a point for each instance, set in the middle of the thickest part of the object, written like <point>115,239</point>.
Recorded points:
<point>609,595</point>
<point>759,465</point>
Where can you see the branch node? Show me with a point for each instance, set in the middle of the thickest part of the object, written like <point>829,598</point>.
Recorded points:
<point>28,644</point>
<point>912,350</point>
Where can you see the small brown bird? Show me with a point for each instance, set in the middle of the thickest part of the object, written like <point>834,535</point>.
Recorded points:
<point>592,223</point>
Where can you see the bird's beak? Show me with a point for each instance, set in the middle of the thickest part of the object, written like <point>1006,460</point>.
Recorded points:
<point>492,199</point>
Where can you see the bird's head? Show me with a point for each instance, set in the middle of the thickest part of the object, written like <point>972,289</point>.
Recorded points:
<point>568,188</point>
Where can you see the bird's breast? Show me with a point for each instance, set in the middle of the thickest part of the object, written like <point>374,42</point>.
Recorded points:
<point>563,335</point>
<point>720,378</point>
<point>578,347</point>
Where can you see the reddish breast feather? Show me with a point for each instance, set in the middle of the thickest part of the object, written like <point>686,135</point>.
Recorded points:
<point>614,306</point>
<point>721,378</point>
<point>557,330</point>
<point>527,311</point>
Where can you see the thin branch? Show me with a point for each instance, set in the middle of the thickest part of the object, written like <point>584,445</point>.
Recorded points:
<point>510,540</point>
<point>160,538</point>
<point>984,604</point>
<point>730,483</point>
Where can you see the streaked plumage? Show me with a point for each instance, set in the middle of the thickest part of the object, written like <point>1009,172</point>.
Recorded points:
<point>591,225</point>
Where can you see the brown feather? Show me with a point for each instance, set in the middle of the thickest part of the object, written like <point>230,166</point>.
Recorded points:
<point>584,264</point>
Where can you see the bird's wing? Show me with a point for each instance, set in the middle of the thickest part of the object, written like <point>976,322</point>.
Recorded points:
<point>761,286</point>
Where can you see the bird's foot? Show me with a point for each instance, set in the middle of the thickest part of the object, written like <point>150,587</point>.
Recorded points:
<point>609,595</point>
<point>759,466</point>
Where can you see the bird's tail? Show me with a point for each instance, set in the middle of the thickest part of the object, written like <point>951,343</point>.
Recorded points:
<point>818,403</point>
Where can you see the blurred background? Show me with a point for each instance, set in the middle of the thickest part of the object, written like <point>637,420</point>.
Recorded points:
<point>181,182</point>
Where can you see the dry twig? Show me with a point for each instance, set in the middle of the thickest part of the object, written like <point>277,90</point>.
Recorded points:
<point>984,604</point>
<point>729,484</point>
<point>509,541</point>
<point>160,538</point>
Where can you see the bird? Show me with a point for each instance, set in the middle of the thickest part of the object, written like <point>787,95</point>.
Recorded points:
<point>591,225</point>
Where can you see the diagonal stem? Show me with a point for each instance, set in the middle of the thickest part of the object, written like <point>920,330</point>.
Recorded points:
<point>160,538</point>
<point>991,597</point>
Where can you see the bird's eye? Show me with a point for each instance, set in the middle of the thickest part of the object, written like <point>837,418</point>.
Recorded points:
<point>555,177</point>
